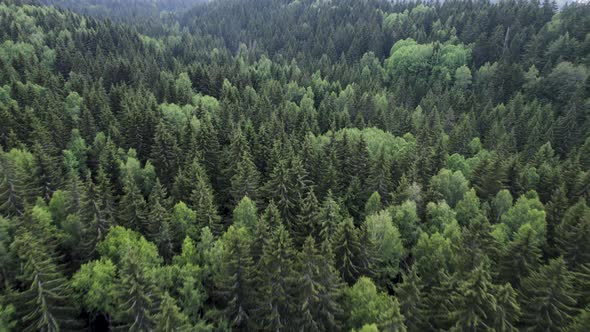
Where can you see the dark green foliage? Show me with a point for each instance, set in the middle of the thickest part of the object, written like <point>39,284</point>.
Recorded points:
<point>294,165</point>
<point>43,303</point>
<point>571,235</point>
<point>318,289</point>
<point>547,297</point>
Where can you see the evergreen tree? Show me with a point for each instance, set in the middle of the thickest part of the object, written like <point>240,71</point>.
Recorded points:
<point>318,289</point>
<point>412,302</point>
<point>203,203</point>
<point>571,234</point>
<point>135,309</point>
<point>507,309</point>
<point>347,250</point>
<point>134,211</point>
<point>234,278</point>
<point>246,180</point>
<point>44,302</point>
<point>547,297</point>
<point>475,304</point>
<point>169,318</point>
<point>276,277</point>
<point>308,219</point>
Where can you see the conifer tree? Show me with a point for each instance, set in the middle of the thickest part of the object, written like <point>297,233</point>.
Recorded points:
<point>507,310</point>
<point>330,218</point>
<point>44,304</point>
<point>373,204</point>
<point>234,277</point>
<point>412,302</point>
<point>347,250</point>
<point>317,289</point>
<point>186,179</point>
<point>521,256</point>
<point>547,297</point>
<point>276,302</point>
<point>474,303</point>
<point>203,203</point>
<point>137,306</point>
<point>308,219</point>
<point>12,188</point>
<point>245,214</point>
<point>134,211</point>
<point>246,180</point>
<point>165,154</point>
<point>572,234</point>
<point>170,318</point>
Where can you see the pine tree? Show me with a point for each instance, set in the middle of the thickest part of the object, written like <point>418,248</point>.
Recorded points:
<point>48,174</point>
<point>210,147</point>
<point>373,204</point>
<point>547,297</point>
<point>268,222</point>
<point>165,154</point>
<point>133,213</point>
<point>581,322</point>
<point>96,208</point>
<point>12,188</point>
<point>507,309</point>
<point>186,179</point>
<point>287,185</point>
<point>330,218</point>
<point>245,214</point>
<point>582,284</point>
<point>379,179</point>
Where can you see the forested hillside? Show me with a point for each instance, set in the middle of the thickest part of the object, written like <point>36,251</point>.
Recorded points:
<point>308,165</point>
<point>129,11</point>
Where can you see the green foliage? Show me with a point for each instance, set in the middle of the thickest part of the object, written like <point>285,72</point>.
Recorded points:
<point>366,305</point>
<point>388,245</point>
<point>248,165</point>
<point>245,215</point>
<point>547,301</point>
<point>451,186</point>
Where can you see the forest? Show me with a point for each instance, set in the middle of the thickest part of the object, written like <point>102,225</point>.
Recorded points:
<point>294,165</point>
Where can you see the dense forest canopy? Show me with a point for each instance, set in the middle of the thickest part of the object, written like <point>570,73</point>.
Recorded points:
<point>306,165</point>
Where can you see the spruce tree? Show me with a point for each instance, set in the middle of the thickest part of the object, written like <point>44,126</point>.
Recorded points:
<point>572,234</point>
<point>547,300</point>
<point>43,303</point>
<point>138,304</point>
<point>246,180</point>
<point>347,250</point>
<point>412,302</point>
<point>317,289</point>
<point>276,277</point>
<point>474,303</point>
<point>233,280</point>
<point>203,203</point>
<point>308,219</point>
